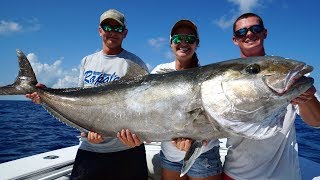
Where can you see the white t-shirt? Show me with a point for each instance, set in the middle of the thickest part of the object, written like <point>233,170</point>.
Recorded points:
<point>97,69</point>
<point>171,152</point>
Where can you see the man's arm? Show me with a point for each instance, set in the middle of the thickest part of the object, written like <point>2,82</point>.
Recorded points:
<point>309,107</point>
<point>310,112</point>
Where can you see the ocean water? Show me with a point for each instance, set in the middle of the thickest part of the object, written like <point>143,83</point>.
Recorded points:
<point>28,129</point>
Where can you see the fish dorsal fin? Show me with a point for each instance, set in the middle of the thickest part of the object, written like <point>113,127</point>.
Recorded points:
<point>134,70</point>
<point>164,70</point>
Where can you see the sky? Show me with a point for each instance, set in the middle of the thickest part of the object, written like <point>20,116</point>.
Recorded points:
<point>56,34</point>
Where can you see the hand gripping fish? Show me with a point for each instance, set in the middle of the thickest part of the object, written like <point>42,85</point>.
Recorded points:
<point>241,97</point>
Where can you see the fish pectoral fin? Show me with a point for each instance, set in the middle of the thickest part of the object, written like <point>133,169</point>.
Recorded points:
<point>191,156</point>
<point>194,107</point>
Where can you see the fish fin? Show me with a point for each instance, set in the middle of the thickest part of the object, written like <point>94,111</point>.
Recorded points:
<point>62,119</point>
<point>134,70</point>
<point>164,70</point>
<point>194,104</point>
<point>25,81</point>
<point>191,156</point>
<point>194,107</point>
<point>196,100</point>
<point>198,116</point>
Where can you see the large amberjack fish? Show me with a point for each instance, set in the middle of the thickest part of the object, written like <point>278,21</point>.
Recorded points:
<point>241,97</point>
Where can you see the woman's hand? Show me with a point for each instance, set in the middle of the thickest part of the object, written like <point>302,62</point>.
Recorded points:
<point>93,137</point>
<point>129,139</point>
<point>184,144</point>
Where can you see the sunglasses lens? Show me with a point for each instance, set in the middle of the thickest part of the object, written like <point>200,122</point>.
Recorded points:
<point>118,28</point>
<point>256,29</point>
<point>177,39</point>
<point>106,27</point>
<point>112,28</point>
<point>241,32</point>
<point>191,39</point>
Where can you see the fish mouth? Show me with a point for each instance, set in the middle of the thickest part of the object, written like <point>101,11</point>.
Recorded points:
<point>296,79</point>
<point>297,76</point>
<point>301,81</point>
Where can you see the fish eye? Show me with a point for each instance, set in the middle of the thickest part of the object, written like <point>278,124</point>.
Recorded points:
<point>253,69</point>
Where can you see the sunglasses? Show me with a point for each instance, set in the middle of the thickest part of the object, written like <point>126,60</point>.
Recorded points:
<point>177,39</point>
<point>243,32</point>
<point>109,28</point>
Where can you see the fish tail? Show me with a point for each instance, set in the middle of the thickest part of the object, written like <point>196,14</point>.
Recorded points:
<point>25,81</point>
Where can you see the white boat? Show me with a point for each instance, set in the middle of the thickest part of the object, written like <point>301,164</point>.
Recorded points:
<point>58,164</point>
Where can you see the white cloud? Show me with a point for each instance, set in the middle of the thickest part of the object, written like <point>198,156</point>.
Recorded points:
<point>242,6</point>
<point>169,55</point>
<point>66,81</point>
<point>8,27</point>
<point>32,25</point>
<point>161,45</point>
<point>245,5</point>
<point>158,42</point>
<point>53,75</point>
<point>225,23</point>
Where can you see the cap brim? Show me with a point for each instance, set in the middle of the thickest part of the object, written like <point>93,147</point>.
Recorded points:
<point>106,19</point>
<point>186,23</point>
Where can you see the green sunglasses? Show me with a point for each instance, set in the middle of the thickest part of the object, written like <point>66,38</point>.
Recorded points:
<point>109,28</point>
<point>190,38</point>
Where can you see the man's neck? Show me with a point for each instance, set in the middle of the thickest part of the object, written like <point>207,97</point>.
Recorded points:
<point>112,51</point>
<point>251,53</point>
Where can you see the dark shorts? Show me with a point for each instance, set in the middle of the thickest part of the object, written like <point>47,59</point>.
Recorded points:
<point>128,164</point>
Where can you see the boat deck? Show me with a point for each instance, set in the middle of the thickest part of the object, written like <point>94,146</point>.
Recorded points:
<point>58,164</point>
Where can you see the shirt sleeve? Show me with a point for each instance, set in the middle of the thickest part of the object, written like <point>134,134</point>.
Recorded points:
<point>81,75</point>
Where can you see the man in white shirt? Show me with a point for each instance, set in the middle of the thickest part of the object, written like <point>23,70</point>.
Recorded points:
<point>276,157</point>
<point>107,157</point>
